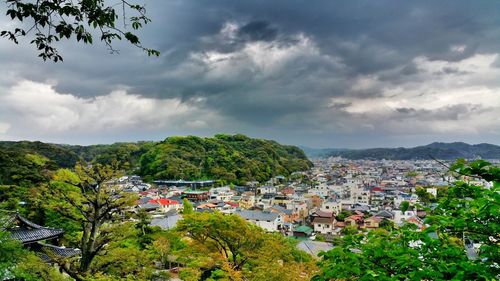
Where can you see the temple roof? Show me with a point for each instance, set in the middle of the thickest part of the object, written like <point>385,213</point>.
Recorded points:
<point>28,232</point>
<point>48,252</point>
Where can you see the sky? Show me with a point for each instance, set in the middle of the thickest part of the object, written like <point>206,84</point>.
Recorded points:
<point>345,74</point>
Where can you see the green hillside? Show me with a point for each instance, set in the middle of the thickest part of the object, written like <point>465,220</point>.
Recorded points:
<point>232,158</point>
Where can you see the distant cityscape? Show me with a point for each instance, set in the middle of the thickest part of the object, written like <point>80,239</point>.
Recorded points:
<point>321,202</point>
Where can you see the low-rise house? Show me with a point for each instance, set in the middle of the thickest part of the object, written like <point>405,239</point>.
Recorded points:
<point>167,221</point>
<point>269,221</point>
<point>287,214</point>
<point>400,217</point>
<point>150,207</point>
<point>386,214</point>
<point>354,220</point>
<point>288,191</point>
<point>221,193</point>
<point>266,189</point>
<point>166,205</point>
<point>416,221</point>
<point>247,200</point>
<point>372,222</point>
<point>281,200</point>
<point>206,206</point>
<point>331,205</point>
<point>323,222</point>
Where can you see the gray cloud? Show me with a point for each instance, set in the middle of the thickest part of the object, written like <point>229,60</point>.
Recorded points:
<point>258,31</point>
<point>283,69</point>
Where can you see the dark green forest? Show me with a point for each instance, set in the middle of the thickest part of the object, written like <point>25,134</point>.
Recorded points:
<point>230,158</point>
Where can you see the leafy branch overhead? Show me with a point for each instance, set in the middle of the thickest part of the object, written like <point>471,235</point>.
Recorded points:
<point>48,21</point>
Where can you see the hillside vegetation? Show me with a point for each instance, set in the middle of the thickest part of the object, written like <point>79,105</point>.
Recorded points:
<point>235,158</point>
<point>231,158</point>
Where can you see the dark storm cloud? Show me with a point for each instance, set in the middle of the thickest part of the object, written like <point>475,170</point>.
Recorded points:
<point>257,31</point>
<point>310,54</point>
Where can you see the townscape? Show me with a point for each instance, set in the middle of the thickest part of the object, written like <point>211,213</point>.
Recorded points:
<point>312,206</point>
<point>249,140</point>
<point>308,212</point>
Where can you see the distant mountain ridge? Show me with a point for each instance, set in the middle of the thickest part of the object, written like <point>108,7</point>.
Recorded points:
<point>439,150</point>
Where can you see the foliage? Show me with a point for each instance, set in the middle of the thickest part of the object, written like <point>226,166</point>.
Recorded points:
<point>405,205</point>
<point>18,263</point>
<point>468,212</point>
<point>88,198</point>
<point>11,253</point>
<point>343,215</point>
<point>231,159</point>
<point>412,174</point>
<point>50,21</point>
<point>231,249</point>
<point>234,159</point>
<point>187,207</point>
<point>424,196</point>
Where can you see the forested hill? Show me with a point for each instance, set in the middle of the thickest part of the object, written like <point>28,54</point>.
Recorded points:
<point>437,150</point>
<point>233,158</point>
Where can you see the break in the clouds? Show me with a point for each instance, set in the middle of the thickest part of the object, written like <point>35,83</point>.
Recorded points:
<point>336,73</point>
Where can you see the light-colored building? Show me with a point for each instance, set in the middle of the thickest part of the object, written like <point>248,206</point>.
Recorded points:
<point>331,205</point>
<point>270,221</point>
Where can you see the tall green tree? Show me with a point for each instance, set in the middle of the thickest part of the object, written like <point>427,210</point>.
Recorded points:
<point>88,197</point>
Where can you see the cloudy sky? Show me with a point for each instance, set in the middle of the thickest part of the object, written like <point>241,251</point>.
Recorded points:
<point>329,74</point>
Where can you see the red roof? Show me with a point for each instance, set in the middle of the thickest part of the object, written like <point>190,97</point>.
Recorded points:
<point>355,218</point>
<point>288,190</point>
<point>233,204</point>
<point>164,202</point>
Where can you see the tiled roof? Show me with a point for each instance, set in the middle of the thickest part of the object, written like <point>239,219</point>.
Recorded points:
<point>323,220</point>
<point>281,209</point>
<point>166,222</point>
<point>49,252</point>
<point>323,214</point>
<point>27,236</point>
<point>150,206</point>
<point>28,232</point>
<point>257,215</point>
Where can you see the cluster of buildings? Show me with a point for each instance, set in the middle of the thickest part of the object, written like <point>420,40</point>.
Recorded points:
<point>314,205</point>
<point>335,194</point>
